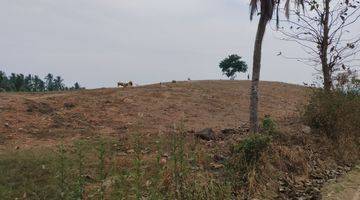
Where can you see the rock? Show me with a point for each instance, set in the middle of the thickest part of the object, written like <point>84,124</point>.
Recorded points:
<point>69,105</point>
<point>17,147</point>
<point>108,182</point>
<point>281,189</point>
<point>206,134</point>
<point>228,131</point>
<point>122,154</point>
<point>306,129</point>
<point>163,161</point>
<point>128,100</point>
<point>216,166</point>
<point>148,183</point>
<point>218,158</point>
<point>130,151</point>
<point>7,125</point>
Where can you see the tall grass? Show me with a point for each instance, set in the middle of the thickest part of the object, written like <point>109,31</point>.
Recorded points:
<point>81,171</point>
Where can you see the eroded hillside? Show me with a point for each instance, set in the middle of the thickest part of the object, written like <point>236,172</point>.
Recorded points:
<point>41,119</point>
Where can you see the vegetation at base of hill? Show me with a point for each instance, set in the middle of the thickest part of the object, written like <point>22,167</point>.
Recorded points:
<point>334,113</point>
<point>109,171</point>
<point>33,83</point>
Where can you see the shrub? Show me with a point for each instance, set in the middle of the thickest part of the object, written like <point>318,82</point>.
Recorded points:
<point>251,148</point>
<point>268,125</point>
<point>334,113</point>
<point>242,166</point>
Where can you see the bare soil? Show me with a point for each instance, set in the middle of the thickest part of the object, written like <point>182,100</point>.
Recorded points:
<point>43,119</point>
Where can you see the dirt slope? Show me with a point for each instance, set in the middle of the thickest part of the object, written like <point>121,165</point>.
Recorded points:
<point>29,120</point>
<point>345,188</point>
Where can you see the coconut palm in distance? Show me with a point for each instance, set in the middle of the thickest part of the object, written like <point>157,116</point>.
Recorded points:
<point>267,8</point>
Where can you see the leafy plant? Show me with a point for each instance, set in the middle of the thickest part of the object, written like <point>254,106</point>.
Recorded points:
<point>232,65</point>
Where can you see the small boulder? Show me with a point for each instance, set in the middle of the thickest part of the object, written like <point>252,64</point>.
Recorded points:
<point>69,105</point>
<point>216,166</point>
<point>306,129</point>
<point>206,134</point>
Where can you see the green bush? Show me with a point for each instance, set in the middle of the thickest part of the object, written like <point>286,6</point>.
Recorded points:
<point>333,113</point>
<point>268,125</point>
<point>242,166</point>
<point>252,147</point>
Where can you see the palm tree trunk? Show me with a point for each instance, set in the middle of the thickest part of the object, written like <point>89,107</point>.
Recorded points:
<point>254,93</point>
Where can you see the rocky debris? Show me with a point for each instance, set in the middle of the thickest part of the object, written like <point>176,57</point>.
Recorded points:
<point>215,166</point>
<point>128,100</point>
<point>40,107</point>
<point>7,125</point>
<point>310,188</point>
<point>69,105</point>
<point>306,129</point>
<point>206,134</point>
<point>163,161</point>
<point>229,131</point>
<point>218,158</point>
<point>130,151</point>
<point>122,154</point>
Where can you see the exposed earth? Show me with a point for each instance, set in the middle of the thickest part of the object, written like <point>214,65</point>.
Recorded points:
<point>31,120</point>
<point>40,119</point>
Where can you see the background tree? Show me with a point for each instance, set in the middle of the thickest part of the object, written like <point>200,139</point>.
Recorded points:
<point>39,85</point>
<point>77,86</point>
<point>324,34</point>
<point>31,83</point>
<point>28,83</point>
<point>58,84</point>
<point>232,65</point>
<point>49,82</point>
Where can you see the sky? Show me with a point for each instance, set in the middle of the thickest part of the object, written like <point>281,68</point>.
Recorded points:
<point>101,42</point>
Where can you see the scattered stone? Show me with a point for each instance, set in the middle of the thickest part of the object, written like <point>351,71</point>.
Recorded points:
<point>206,134</point>
<point>163,161</point>
<point>216,165</point>
<point>17,147</point>
<point>218,158</point>
<point>130,151</point>
<point>148,183</point>
<point>306,129</point>
<point>228,131</point>
<point>7,125</point>
<point>128,100</point>
<point>69,105</point>
<point>108,182</point>
<point>122,154</point>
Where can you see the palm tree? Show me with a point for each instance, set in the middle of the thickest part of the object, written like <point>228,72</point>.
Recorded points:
<point>267,8</point>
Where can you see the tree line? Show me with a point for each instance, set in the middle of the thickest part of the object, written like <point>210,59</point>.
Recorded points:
<point>33,83</point>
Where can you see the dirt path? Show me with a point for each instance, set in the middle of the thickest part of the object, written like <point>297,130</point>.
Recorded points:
<point>346,188</point>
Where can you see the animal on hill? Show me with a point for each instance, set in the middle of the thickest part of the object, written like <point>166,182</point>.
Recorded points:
<point>128,84</point>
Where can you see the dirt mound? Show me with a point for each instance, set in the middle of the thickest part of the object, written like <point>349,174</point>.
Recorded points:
<point>41,118</point>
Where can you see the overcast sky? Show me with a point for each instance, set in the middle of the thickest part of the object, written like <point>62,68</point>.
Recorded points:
<point>100,42</point>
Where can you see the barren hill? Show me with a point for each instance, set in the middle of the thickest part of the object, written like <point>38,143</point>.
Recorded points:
<point>34,119</point>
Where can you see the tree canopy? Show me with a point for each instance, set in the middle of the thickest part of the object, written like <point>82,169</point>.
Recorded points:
<point>33,83</point>
<point>232,65</point>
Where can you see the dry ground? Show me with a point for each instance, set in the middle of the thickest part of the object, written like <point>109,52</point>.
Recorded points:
<point>346,188</point>
<point>41,119</point>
